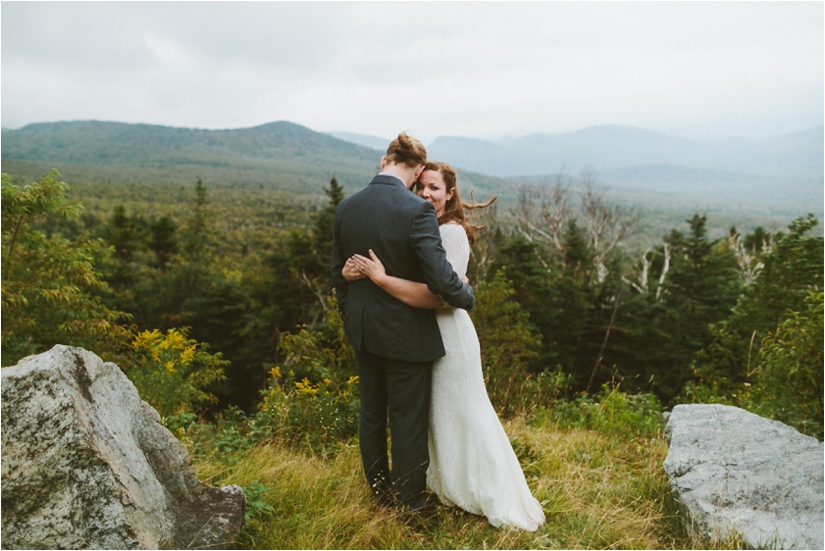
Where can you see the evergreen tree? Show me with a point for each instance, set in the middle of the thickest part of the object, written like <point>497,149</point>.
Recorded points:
<point>323,233</point>
<point>700,289</point>
<point>510,344</point>
<point>123,235</point>
<point>702,284</point>
<point>792,269</point>
<point>520,263</point>
<point>163,241</point>
<point>198,223</point>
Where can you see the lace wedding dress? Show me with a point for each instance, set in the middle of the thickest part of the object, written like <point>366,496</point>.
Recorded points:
<point>472,464</point>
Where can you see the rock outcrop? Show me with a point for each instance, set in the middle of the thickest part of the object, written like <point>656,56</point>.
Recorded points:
<point>731,470</point>
<point>87,464</point>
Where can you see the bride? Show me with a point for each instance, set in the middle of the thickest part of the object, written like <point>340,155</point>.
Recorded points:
<point>472,464</point>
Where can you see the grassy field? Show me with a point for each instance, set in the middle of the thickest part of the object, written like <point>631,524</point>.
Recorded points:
<point>598,492</point>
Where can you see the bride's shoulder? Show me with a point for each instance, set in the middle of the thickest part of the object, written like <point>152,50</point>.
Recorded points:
<point>453,228</point>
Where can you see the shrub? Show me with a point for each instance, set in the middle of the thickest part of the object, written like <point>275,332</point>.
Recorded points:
<point>172,373</point>
<point>790,374</point>
<point>319,417</point>
<point>509,342</point>
<point>612,412</point>
<point>51,286</point>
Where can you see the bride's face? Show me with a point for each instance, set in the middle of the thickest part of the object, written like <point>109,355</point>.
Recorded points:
<point>431,187</point>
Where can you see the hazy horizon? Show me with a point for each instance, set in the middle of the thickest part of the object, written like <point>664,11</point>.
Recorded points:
<point>698,70</point>
<point>685,133</point>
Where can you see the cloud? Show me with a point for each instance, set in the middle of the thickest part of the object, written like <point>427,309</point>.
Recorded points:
<point>434,68</point>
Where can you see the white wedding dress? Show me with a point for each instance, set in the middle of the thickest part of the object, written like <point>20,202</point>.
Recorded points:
<point>472,464</point>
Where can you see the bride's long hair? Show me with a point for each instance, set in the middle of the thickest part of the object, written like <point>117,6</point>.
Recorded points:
<point>454,207</point>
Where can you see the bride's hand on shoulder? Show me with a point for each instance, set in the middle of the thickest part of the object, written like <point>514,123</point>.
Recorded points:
<point>351,272</point>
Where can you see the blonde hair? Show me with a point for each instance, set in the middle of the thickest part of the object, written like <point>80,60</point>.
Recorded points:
<point>406,150</point>
<point>454,207</point>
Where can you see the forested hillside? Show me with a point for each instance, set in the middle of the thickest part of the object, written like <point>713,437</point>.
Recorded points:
<point>279,156</point>
<point>99,158</point>
<point>217,303</point>
<point>561,298</point>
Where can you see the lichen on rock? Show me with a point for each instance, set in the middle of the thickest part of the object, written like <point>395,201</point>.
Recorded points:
<point>87,464</point>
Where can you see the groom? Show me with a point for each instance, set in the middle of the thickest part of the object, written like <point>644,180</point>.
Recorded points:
<point>395,344</point>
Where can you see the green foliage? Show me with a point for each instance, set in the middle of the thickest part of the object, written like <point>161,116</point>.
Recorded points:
<point>700,289</point>
<point>50,285</point>
<point>790,376</point>
<point>318,417</point>
<point>197,236</point>
<point>791,270</point>
<point>323,226</point>
<point>255,291</point>
<point>313,407</point>
<point>173,373</point>
<point>520,263</point>
<point>257,509</point>
<point>509,343</point>
<point>163,241</point>
<point>316,403</point>
<point>611,412</point>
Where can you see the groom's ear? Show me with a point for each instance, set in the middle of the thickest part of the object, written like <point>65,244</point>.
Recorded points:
<point>383,162</point>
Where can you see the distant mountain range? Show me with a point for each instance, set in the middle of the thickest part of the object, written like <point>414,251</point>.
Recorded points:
<point>618,149</point>
<point>785,169</point>
<point>279,155</point>
<point>781,174</point>
<point>608,148</point>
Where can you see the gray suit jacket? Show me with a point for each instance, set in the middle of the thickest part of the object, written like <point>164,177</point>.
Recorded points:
<point>402,229</point>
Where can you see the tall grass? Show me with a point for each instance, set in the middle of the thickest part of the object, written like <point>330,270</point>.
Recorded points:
<point>598,490</point>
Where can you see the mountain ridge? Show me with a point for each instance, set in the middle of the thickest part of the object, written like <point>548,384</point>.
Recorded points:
<point>610,147</point>
<point>290,157</point>
<point>278,155</point>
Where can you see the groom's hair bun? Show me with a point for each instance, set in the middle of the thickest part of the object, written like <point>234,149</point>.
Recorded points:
<point>406,150</point>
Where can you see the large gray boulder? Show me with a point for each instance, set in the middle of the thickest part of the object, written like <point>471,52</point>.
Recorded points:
<point>86,464</point>
<point>731,470</point>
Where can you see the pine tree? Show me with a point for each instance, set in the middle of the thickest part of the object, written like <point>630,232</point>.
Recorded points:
<point>123,235</point>
<point>700,289</point>
<point>323,226</point>
<point>198,225</point>
<point>163,241</point>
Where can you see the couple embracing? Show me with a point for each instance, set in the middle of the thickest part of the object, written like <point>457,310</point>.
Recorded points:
<point>399,265</point>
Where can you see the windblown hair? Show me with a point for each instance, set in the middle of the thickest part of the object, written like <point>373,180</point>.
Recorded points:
<point>454,207</point>
<point>406,150</point>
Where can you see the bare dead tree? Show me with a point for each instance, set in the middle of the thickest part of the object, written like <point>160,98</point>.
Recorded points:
<point>665,269</point>
<point>607,224</point>
<point>642,286</point>
<point>543,214</point>
<point>315,288</point>
<point>482,250</point>
<point>748,262</point>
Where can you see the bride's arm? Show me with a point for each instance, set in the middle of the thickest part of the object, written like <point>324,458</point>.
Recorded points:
<point>409,292</point>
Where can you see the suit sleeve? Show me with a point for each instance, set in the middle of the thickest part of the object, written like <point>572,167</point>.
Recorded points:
<point>338,261</point>
<point>439,275</point>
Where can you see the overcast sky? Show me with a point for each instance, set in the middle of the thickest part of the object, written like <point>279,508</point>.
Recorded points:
<point>697,69</point>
